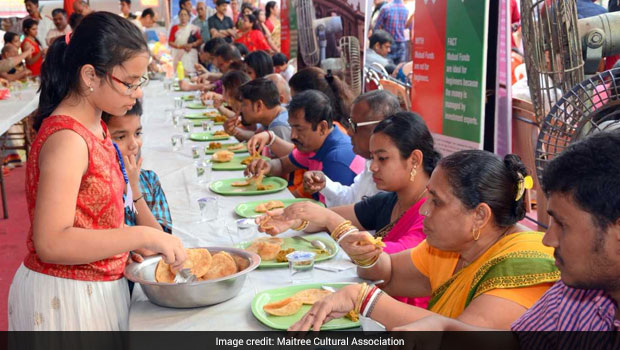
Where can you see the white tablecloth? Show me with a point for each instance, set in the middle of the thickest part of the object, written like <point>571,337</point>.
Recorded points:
<point>176,173</point>
<point>17,107</point>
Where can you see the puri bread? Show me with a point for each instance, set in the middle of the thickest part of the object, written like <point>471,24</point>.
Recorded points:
<point>311,296</point>
<point>222,264</point>
<point>223,156</point>
<point>269,205</point>
<point>284,307</point>
<point>163,273</point>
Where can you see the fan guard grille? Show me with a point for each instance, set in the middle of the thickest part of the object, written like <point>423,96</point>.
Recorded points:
<point>590,107</point>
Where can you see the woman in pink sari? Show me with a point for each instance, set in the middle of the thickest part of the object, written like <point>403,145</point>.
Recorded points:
<point>403,158</point>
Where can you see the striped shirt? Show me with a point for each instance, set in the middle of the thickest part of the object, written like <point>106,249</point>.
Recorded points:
<point>155,199</point>
<point>393,18</point>
<point>563,308</point>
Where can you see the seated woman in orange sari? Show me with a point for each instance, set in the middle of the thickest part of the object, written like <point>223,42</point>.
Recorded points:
<point>403,156</point>
<point>251,36</point>
<point>475,260</point>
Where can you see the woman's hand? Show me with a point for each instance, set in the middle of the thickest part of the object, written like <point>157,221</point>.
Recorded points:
<point>332,306</point>
<point>132,167</point>
<point>359,247</point>
<point>200,69</point>
<point>274,223</point>
<point>312,212</point>
<point>314,181</point>
<point>258,142</point>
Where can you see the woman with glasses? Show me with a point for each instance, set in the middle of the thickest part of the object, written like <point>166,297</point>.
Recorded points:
<point>76,186</point>
<point>402,159</point>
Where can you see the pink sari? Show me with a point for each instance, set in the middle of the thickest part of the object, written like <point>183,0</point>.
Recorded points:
<point>405,233</point>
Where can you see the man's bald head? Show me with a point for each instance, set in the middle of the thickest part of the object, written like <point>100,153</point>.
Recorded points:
<point>282,85</point>
<point>9,51</point>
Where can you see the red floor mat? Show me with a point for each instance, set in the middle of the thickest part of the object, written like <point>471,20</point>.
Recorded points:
<point>12,236</point>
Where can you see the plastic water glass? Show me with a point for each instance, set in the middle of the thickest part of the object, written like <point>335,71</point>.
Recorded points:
<point>203,171</point>
<point>301,266</point>
<point>188,128</point>
<point>207,125</point>
<point>178,103</point>
<point>176,118</point>
<point>168,84</point>
<point>197,152</point>
<point>208,208</point>
<point>177,142</point>
<point>247,230</point>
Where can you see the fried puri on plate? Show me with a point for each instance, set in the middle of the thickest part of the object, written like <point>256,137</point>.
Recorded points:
<point>284,307</point>
<point>223,156</point>
<point>311,296</point>
<point>269,205</point>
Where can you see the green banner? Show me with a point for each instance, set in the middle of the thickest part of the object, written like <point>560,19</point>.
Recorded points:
<point>465,69</point>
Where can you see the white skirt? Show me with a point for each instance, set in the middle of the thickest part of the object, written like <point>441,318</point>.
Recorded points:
<point>39,302</point>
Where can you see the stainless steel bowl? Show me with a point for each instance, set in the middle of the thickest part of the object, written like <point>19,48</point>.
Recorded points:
<point>191,294</point>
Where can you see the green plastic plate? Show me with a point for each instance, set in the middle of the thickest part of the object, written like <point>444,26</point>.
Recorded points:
<point>246,210</point>
<point>189,98</point>
<point>224,145</point>
<point>198,122</point>
<point>301,245</point>
<point>201,115</point>
<point>234,164</point>
<point>225,187</point>
<point>196,106</point>
<point>284,322</point>
<point>206,136</point>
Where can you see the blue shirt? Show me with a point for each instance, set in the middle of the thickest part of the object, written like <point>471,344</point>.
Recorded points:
<point>155,199</point>
<point>335,159</point>
<point>393,18</point>
<point>585,9</point>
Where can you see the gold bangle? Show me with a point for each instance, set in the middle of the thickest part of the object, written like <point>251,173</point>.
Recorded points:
<point>360,297</point>
<point>302,226</point>
<point>340,228</point>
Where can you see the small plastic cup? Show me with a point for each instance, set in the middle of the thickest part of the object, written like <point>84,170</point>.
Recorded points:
<point>188,128</point>
<point>301,266</point>
<point>203,171</point>
<point>208,208</point>
<point>176,118</point>
<point>197,152</point>
<point>247,230</point>
<point>178,103</point>
<point>177,142</point>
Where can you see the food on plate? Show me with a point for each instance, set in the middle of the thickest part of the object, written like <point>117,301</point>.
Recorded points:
<point>353,316</point>
<point>261,187</point>
<point>250,158</point>
<point>211,114</point>
<point>189,98</point>
<point>242,263</point>
<point>284,307</point>
<point>266,247</point>
<point>269,205</point>
<point>221,133</point>
<point>219,118</point>
<point>263,224</point>
<point>236,147</point>
<point>281,257</point>
<point>223,156</point>
<point>311,296</point>
<point>215,145</point>
<point>291,305</point>
<point>222,264</point>
<point>241,183</point>
<point>198,260</point>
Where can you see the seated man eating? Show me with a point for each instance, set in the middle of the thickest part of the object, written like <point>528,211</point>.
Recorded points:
<point>319,146</point>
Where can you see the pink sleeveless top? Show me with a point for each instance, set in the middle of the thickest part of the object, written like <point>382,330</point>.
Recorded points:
<point>99,202</point>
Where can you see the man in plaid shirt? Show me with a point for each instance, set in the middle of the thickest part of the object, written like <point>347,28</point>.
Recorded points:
<point>393,19</point>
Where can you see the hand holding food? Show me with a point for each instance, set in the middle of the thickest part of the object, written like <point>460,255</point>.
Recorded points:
<point>314,181</point>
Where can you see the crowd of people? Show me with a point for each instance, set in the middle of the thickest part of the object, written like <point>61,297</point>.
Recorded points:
<point>453,250</point>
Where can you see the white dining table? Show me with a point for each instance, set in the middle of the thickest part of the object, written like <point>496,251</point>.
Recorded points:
<point>176,172</point>
<point>17,107</point>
